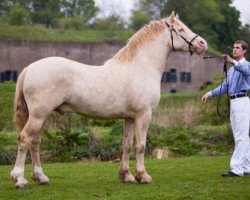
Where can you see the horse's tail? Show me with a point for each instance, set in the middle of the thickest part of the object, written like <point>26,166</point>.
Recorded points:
<point>21,112</point>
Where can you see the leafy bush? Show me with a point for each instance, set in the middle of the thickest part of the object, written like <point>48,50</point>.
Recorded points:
<point>110,23</point>
<point>177,139</point>
<point>8,148</point>
<point>73,23</point>
<point>117,128</point>
<point>7,157</point>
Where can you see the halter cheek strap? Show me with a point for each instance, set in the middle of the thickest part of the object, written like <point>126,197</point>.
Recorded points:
<point>190,42</point>
<point>171,29</point>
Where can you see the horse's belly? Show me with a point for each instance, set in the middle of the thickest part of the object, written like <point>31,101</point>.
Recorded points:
<point>95,111</point>
<point>105,112</point>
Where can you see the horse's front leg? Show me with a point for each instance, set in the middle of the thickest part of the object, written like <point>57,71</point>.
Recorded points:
<point>124,173</point>
<point>141,127</point>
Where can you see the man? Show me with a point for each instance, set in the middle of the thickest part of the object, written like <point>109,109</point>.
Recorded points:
<point>237,84</point>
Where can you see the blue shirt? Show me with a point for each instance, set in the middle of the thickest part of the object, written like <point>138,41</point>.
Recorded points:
<point>238,79</point>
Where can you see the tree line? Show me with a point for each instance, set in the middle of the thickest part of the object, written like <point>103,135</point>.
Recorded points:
<point>217,21</point>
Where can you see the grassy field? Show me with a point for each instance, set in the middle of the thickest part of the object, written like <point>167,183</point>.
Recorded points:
<point>179,178</point>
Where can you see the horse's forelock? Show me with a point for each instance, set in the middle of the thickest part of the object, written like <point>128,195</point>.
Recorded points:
<point>145,34</point>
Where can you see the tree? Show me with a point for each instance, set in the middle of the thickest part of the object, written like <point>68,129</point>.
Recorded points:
<point>18,15</point>
<point>139,18</point>
<point>154,8</point>
<point>229,29</point>
<point>15,12</point>
<point>205,22</point>
<point>179,6</point>
<point>245,35</point>
<point>83,8</point>
<point>45,11</point>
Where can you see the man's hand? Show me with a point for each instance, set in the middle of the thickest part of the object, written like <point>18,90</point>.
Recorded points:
<point>228,59</point>
<point>204,98</point>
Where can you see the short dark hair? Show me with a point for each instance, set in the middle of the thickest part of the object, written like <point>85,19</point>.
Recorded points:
<point>243,44</point>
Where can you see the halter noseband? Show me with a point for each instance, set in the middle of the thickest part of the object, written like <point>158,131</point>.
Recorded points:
<point>171,29</point>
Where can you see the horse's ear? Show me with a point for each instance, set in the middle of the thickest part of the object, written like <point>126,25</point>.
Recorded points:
<point>177,16</point>
<point>172,14</point>
<point>171,18</point>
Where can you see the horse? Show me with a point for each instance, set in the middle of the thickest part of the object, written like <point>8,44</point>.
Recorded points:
<point>127,86</point>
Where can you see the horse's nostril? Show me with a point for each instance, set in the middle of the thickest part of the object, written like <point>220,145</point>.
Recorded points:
<point>201,42</point>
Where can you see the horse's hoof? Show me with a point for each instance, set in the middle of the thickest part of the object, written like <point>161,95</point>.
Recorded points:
<point>126,177</point>
<point>129,179</point>
<point>43,180</point>
<point>143,178</point>
<point>143,181</point>
<point>21,185</point>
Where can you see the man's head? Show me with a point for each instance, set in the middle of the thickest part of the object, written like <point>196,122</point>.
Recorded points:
<point>240,49</point>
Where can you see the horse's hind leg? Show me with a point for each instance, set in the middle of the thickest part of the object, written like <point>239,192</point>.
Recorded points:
<point>37,172</point>
<point>25,139</point>
<point>141,127</point>
<point>128,137</point>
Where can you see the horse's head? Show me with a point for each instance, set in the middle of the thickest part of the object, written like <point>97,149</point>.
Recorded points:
<point>182,38</point>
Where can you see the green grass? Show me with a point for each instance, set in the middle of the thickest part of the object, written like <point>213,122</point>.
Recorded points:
<point>40,33</point>
<point>7,91</point>
<point>181,178</point>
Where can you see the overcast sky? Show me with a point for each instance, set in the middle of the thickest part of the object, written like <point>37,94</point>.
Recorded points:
<point>244,7</point>
<point>123,8</point>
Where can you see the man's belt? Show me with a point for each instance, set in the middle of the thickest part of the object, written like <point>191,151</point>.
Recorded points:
<point>238,96</point>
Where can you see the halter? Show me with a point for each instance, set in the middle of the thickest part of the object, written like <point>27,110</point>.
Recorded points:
<point>190,44</point>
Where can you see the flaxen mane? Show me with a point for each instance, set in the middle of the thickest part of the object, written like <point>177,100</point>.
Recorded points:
<point>145,34</point>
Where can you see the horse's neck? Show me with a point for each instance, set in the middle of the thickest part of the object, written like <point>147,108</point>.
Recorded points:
<point>154,56</point>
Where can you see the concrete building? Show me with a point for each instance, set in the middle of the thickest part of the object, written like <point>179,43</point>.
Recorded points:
<point>183,73</point>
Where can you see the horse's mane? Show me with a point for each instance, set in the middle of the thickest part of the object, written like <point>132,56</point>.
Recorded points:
<point>145,34</point>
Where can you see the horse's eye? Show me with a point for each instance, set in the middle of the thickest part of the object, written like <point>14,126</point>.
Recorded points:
<point>181,30</point>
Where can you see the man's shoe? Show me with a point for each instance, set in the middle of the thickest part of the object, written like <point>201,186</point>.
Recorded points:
<point>229,174</point>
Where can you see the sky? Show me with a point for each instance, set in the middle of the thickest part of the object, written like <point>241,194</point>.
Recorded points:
<point>244,7</point>
<point>123,8</point>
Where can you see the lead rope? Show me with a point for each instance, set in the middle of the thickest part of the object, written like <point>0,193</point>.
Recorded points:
<point>172,38</point>
<point>228,97</point>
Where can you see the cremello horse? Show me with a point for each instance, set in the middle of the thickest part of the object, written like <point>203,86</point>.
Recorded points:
<point>126,86</point>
